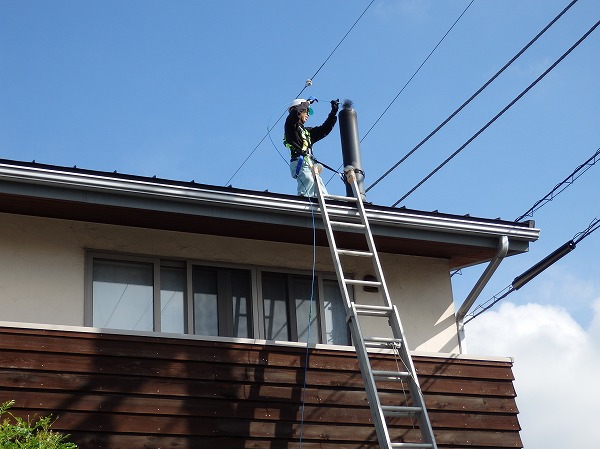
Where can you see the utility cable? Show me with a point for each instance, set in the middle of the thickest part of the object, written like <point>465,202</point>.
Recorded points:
<point>308,83</point>
<point>417,71</point>
<point>538,268</point>
<point>336,47</point>
<point>461,107</point>
<point>562,185</point>
<point>408,82</point>
<point>506,108</point>
<point>595,224</point>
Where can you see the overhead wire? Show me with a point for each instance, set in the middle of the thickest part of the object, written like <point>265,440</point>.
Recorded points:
<point>506,108</point>
<point>594,225</point>
<point>538,268</point>
<point>301,92</point>
<point>417,71</point>
<point>569,180</point>
<point>409,80</point>
<point>472,97</point>
<point>559,188</point>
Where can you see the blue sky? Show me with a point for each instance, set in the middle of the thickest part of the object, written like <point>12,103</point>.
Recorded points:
<point>187,89</point>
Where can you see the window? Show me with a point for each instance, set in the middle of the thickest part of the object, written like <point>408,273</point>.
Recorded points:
<point>172,299</point>
<point>336,330</point>
<point>221,301</point>
<point>123,293</point>
<point>151,294</point>
<point>287,307</point>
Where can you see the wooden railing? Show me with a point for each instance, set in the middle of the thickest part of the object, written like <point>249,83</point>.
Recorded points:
<point>131,392</point>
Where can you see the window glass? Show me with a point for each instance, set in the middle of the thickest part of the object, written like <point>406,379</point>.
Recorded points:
<point>302,299</point>
<point>206,315</point>
<point>274,288</point>
<point>122,295</point>
<point>241,291</point>
<point>126,295</point>
<point>336,328</point>
<point>172,299</point>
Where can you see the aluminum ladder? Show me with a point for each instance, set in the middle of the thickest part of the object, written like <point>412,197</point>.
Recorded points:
<point>386,311</point>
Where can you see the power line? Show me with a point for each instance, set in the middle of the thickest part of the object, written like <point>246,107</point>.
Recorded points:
<point>595,224</point>
<point>461,107</point>
<point>538,268</point>
<point>506,108</point>
<point>409,80</point>
<point>562,185</point>
<point>301,91</point>
<point>336,47</point>
<point>417,71</point>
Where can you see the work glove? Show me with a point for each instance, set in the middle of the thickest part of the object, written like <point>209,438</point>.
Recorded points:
<point>335,105</point>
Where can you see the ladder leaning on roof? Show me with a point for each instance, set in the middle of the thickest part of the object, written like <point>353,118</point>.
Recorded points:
<point>416,407</point>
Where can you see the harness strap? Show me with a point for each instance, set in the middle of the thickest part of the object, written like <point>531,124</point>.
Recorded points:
<point>327,166</point>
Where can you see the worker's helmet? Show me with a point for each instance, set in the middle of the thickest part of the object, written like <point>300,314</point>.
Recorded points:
<point>299,105</point>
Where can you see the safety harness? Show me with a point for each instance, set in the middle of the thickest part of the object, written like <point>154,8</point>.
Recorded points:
<point>306,151</point>
<point>297,154</point>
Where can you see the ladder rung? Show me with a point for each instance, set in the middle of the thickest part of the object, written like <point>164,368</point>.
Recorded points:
<point>382,342</point>
<point>398,410</point>
<point>350,252</point>
<point>343,224</point>
<point>413,445</point>
<point>340,198</point>
<point>356,222</point>
<point>361,282</point>
<point>391,375</point>
<point>363,309</point>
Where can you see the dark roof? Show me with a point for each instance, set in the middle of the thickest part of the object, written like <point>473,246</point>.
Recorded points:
<point>30,188</point>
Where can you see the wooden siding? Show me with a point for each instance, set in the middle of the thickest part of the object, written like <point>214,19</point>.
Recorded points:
<point>132,392</point>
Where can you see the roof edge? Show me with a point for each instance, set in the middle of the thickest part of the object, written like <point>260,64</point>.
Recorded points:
<point>176,191</point>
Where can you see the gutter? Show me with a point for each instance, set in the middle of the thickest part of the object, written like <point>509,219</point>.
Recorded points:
<point>476,291</point>
<point>187,195</point>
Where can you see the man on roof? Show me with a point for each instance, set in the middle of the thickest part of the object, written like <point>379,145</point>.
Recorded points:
<point>300,139</point>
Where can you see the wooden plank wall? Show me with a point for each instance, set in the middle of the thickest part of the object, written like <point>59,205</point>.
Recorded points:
<point>133,392</point>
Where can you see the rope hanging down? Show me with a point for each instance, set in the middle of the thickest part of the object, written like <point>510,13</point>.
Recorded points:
<point>538,268</point>
<point>506,108</point>
<point>310,310</point>
<point>308,83</point>
<point>461,107</point>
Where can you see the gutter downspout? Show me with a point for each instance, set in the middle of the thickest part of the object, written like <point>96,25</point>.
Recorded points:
<point>481,283</point>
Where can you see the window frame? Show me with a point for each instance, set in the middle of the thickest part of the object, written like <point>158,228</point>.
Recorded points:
<point>255,308</point>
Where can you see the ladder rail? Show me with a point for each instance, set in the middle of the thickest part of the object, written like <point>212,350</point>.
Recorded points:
<point>331,239</point>
<point>383,435</point>
<point>386,311</point>
<point>370,242</point>
<point>414,387</point>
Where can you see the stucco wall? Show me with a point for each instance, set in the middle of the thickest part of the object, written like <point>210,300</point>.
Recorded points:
<point>42,263</point>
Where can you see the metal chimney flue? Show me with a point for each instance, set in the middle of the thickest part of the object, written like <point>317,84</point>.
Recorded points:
<point>351,146</point>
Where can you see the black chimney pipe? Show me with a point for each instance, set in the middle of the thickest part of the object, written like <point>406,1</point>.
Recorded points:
<point>351,146</point>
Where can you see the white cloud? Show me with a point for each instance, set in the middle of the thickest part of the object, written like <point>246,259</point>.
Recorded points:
<point>556,369</point>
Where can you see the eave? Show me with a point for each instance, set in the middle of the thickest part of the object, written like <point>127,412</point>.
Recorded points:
<point>111,198</point>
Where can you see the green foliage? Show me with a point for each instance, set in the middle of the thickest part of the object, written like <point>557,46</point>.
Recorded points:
<point>16,433</point>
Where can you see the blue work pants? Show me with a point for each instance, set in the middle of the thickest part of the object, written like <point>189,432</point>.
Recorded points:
<point>305,178</point>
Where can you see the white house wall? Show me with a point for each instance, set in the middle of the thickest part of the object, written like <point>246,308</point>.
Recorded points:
<point>42,264</point>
